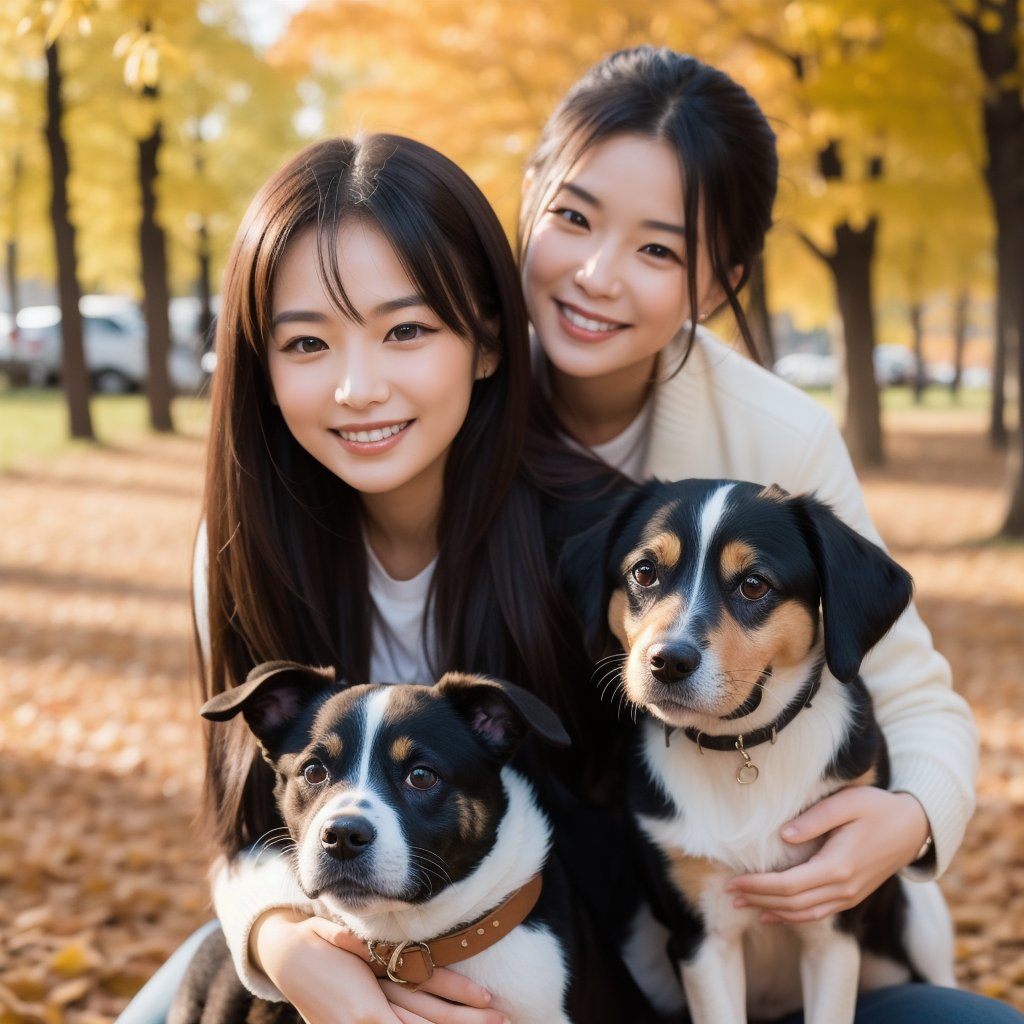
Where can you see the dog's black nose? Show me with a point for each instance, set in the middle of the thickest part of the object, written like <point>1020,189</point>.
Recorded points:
<point>672,662</point>
<point>347,837</point>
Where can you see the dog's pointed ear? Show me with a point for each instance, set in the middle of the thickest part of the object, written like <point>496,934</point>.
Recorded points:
<point>586,574</point>
<point>272,696</point>
<point>863,591</point>
<point>500,713</point>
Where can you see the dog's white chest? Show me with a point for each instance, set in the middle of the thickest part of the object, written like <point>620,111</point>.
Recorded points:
<point>527,973</point>
<point>723,821</point>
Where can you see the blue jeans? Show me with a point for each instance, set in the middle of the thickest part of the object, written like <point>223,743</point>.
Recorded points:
<point>926,1004</point>
<point>901,1004</point>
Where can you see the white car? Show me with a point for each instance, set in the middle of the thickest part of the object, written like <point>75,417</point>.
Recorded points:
<point>115,347</point>
<point>807,369</point>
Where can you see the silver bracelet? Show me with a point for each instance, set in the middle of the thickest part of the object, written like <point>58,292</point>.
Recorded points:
<point>926,847</point>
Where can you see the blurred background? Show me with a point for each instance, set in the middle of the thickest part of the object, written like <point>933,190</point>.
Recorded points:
<point>135,131</point>
<point>133,134</point>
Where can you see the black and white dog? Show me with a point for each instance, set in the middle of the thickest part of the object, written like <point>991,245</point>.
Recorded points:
<point>412,830</point>
<point>744,614</point>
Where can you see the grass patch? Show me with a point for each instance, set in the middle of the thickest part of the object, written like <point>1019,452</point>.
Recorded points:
<point>34,422</point>
<point>898,399</point>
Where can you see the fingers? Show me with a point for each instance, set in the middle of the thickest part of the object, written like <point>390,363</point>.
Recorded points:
<point>338,935</point>
<point>824,816</point>
<point>445,998</point>
<point>456,988</point>
<point>409,1018</point>
<point>423,1005</point>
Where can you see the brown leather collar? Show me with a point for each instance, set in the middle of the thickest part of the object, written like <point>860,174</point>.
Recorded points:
<point>412,963</point>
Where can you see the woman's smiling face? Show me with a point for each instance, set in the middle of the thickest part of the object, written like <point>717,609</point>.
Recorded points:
<point>378,403</point>
<point>605,266</point>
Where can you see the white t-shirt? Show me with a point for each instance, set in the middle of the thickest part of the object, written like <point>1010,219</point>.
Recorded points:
<point>397,651</point>
<point>627,452</point>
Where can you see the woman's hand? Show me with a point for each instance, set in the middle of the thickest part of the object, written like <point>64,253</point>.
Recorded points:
<point>322,970</point>
<point>871,834</point>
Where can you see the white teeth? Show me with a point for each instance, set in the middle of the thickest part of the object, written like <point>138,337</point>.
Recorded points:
<point>585,323</point>
<point>378,434</point>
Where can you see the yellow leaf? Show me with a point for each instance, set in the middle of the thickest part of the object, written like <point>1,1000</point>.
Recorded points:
<point>73,959</point>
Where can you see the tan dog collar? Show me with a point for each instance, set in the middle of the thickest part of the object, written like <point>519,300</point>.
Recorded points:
<point>412,963</point>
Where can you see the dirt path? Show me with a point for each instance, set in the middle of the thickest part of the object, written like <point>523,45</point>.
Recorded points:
<point>99,759</point>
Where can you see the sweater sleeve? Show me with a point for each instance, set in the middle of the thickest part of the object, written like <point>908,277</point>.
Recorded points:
<point>243,891</point>
<point>929,728</point>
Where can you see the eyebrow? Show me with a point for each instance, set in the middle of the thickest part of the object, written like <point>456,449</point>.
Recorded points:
<point>656,225</point>
<point>291,316</point>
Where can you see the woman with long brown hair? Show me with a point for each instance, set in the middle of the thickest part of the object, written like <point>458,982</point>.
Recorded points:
<point>379,498</point>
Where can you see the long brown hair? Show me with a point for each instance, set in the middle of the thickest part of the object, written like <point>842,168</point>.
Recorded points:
<point>723,142</point>
<point>287,564</point>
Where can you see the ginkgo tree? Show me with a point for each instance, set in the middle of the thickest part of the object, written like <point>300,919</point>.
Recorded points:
<point>169,122</point>
<point>996,29</point>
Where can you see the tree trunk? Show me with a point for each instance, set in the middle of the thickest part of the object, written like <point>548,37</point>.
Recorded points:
<point>917,331</point>
<point>11,263</point>
<point>998,435</point>
<point>851,265</point>
<point>758,316</point>
<point>205,325</point>
<point>960,309</point>
<point>156,294</point>
<point>73,368</point>
<point>1000,57</point>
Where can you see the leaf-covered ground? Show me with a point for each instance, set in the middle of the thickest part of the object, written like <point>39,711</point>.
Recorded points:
<point>100,876</point>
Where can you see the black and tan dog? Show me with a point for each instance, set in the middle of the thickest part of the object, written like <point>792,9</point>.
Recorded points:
<point>410,828</point>
<point>744,614</point>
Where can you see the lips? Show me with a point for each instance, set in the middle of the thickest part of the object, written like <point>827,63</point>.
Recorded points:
<point>371,438</point>
<point>370,434</point>
<point>581,324</point>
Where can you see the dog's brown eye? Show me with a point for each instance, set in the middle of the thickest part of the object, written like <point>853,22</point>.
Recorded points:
<point>645,573</point>
<point>314,773</point>
<point>421,778</point>
<point>753,588</point>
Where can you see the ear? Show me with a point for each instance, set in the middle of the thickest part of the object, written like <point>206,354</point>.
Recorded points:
<point>586,572</point>
<point>500,713</point>
<point>713,299</point>
<point>487,363</point>
<point>863,591</point>
<point>271,698</point>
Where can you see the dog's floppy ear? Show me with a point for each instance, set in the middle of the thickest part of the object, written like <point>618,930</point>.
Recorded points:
<point>271,697</point>
<point>500,713</point>
<point>863,591</point>
<point>586,574</point>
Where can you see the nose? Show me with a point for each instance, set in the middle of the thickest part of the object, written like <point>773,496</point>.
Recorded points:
<point>671,663</point>
<point>363,382</point>
<point>599,276</point>
<point>347,837</point>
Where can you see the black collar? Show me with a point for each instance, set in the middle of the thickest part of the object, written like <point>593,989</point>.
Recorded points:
<point>767,732</point>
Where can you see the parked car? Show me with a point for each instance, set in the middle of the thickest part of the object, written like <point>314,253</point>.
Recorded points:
<point>807,369</point>
<point>114,334</point>
<point>894,364</point>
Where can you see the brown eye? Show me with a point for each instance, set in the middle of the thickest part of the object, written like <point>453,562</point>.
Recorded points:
<point>421,778</point>
<point>645,573</point>
<point>314,773</point>
<point>753,588</point>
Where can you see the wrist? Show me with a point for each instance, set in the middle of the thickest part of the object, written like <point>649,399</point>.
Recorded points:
<point>266,928</point>
<point>923,833</point>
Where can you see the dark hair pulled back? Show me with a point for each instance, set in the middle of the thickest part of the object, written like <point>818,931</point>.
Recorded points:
<point>721,138</point>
